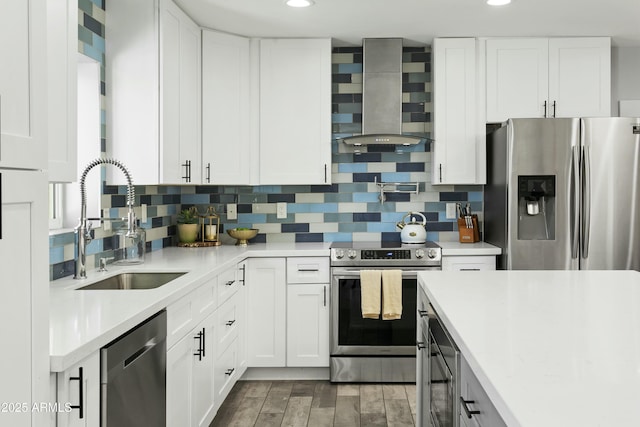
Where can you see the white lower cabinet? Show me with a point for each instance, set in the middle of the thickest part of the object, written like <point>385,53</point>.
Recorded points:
<point>266,298</point>
<point>190,385</point>
<point>203,364</point>
<point>469,263</point>
<point>476,409</point>
<point>79,386</point>
<point>308,325</point>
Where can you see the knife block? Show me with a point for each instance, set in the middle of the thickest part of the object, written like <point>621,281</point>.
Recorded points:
<point>468,234</point>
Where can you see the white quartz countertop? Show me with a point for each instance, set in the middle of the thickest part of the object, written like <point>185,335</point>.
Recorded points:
<point>551,348</point>
<point>468,249</point>
<point>81,322</point>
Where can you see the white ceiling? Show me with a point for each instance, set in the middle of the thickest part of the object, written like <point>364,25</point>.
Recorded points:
<point>419,21</point>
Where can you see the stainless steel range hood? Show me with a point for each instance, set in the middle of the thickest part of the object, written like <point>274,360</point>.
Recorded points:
<point>382,95</point>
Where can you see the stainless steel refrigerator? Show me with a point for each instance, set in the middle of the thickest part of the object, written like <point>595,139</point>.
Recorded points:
<point>564,194</point>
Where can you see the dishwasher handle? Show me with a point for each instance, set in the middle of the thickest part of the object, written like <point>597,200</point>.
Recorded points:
<point>140,352</point>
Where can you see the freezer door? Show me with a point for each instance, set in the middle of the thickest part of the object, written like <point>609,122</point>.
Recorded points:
<point>611,199</point>
<point>543,197</point>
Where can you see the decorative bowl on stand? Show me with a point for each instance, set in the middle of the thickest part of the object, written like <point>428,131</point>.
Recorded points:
<point>242,235</point>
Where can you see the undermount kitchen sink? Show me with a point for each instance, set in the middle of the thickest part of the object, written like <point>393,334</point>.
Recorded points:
<point>141,280</point>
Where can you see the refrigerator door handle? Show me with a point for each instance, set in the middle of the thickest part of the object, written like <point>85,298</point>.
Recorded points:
<point>575,201</point>
<point>586,200</point>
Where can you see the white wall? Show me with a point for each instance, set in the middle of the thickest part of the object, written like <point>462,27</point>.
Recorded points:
<point>625,75</point>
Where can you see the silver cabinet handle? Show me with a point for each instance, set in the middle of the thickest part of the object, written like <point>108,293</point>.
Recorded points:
<point>308,269</point>
<point>208,172</point>
<point>324,296</point>
<point>229,371</point>
<point>80,405</point>
<point>230,282</point>
<point>423,313</point>
<point>469,269</point>
<point>545,109</point>
<point>230,322</point>
<point>464,403</point>
<point>554,109</point>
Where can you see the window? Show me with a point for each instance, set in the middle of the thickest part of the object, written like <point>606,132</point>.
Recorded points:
<point>64,199</point>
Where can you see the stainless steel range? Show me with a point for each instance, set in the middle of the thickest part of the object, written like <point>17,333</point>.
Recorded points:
<point>375,350</point>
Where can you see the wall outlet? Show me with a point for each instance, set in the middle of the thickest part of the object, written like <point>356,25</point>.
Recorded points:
<point>232,211</point>
<point>281,210</point>
<point>451,211</point>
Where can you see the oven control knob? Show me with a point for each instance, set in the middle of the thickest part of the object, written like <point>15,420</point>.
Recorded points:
<point>339,253</point>
<point>433,253</point>
<point>419,253</point>
<point>352,253</point>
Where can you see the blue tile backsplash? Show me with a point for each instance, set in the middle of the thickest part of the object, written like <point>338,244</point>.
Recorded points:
<point>349,209</point>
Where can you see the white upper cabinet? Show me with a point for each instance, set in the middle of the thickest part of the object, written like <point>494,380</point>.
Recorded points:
<point>23,84</point>
<point>62,50</point>
<point>153,86</point>
<point>557,77</point>
<point>226,144</point>
<point>295,111</point>
<point>580,77</point>
<point>458,152</point>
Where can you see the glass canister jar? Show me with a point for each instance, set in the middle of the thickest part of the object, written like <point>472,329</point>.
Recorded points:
<point>131,245</point>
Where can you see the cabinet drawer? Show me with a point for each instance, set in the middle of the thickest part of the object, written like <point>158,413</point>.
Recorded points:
<point>469,263</point>
<point>227,284</point>
<point>471,391</point>
<point>182,316</point>
<point>308,270</point>
<point>226,371</point>
<point>227,320</point>
<point>205,298</point>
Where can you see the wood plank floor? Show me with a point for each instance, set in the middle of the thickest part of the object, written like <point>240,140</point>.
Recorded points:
<point>317,403</point>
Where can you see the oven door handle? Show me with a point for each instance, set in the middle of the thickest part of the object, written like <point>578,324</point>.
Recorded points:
<point>355,272</point>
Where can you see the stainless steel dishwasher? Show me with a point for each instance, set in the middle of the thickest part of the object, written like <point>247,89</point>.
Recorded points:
<point>133,376</point>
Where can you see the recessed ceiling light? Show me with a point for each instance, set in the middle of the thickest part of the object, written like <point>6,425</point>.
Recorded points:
<point>498,2</point>
<point>299,3</point>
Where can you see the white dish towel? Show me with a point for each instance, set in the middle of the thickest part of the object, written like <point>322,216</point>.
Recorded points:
<point>391,294</point>
<point>370,293</point>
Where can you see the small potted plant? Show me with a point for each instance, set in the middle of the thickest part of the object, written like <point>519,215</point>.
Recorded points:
<point>188,225</point>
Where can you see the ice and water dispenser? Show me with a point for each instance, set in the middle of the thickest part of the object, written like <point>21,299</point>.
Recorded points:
<point>536,207</point>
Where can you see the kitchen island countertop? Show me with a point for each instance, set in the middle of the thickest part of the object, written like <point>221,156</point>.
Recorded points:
<point>83,321</point>
<point>550,348</point>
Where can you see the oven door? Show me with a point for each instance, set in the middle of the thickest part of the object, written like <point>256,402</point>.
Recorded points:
<point>353,335</point>
<point>441,388</point>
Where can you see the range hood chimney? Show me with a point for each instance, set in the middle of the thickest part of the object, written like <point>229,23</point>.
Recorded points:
<point>382,95</point>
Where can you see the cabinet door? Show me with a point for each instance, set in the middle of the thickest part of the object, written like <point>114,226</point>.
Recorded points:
<point>308,325</point>
<point>23,85</point>
<point>180,155</point>
<point>266,297</point>
<point>203,392</point>
<point>456,148</point>
<point>517,78</point>
<point>24,293</point>
<point>180,360</point>
<point>580,77</point>
<point>68,390</point>
<point>62,50</point>
<point>225,109</point>
<point>295,111</point>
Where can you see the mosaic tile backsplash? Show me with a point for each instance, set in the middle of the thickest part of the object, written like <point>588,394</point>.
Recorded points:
<point>347,210</point>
